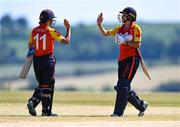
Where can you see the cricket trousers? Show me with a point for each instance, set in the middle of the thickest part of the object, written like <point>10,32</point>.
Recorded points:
<point>44,68</point>
<point>126,71</point>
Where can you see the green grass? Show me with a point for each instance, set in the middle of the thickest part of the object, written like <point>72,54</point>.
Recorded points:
<point>91,98</point>
<point>13,107</point>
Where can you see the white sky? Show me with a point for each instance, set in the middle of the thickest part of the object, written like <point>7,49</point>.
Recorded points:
<point>86,11</point>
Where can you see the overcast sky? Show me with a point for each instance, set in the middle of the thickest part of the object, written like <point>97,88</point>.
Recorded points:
<point>86,11</point>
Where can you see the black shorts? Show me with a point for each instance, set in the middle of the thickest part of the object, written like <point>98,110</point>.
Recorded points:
<point>127,68</point>
<point>44,68</point>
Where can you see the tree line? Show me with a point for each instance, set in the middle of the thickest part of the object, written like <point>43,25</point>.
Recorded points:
<point>159,42</point>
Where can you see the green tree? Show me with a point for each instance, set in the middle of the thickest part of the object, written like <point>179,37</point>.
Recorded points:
<point>153,48</point>
<point>20,28</point>
<point>6,26</point>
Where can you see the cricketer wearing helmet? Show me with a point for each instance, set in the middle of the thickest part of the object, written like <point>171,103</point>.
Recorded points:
<point>42,38</point>
<point>128,37</point>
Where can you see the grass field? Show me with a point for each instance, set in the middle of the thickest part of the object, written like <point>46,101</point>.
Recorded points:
<point>87,109</point>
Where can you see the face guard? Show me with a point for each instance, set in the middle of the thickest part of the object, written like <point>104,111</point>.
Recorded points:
<point>123,17</point>
<point>53,23</point>
<point>119,17</point>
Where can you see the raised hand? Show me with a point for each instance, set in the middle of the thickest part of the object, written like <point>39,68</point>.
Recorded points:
<point>66,23</point>
<point>100,19</point>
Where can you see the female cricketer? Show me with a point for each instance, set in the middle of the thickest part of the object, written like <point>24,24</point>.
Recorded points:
<point>128,37</point>
<point>42,39</point>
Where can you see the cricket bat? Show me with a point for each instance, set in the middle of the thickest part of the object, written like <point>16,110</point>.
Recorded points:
<point>27,64</point>
<point>143,65</point>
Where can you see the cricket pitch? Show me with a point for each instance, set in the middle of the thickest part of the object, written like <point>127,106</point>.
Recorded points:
<point>89,114</point>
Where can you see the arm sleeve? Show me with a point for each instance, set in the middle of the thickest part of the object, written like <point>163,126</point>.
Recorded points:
<point>114,31</point>
<point>137,34</point>
<point>56,35</point>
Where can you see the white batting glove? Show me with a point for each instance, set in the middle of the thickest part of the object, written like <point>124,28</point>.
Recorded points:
<point>119,38</point>
<point>128,37</point>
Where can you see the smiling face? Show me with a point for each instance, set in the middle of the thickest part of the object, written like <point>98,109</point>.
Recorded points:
<point>123,17</point>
